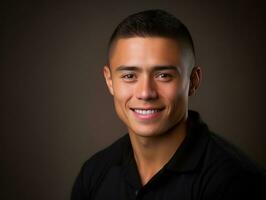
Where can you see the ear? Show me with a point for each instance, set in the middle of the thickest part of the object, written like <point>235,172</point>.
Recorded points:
<point>195,80</point>
<point>108,78</point>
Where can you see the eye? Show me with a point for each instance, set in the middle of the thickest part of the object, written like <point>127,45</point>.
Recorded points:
<point>129,77</point>
<point>164,76</point>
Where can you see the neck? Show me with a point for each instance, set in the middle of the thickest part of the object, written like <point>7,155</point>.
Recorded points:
<point>152,153</point>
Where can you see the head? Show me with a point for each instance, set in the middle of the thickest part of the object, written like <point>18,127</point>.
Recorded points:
<point>151,72</point>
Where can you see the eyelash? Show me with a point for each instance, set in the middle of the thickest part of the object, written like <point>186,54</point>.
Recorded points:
<point>129,77</point>
<point>126,76</point>
<point>164,77</point>
<point>164,74</point>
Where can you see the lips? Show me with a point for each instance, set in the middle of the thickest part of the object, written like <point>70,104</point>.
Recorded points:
<point>147,113</point>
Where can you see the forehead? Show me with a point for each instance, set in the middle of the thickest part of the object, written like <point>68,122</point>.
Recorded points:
<point>145,51</point>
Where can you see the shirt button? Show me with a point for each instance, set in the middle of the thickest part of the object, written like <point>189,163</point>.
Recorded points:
<point>136,192</point>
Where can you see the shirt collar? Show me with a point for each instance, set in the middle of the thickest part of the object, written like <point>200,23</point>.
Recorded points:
<point>188,155</point>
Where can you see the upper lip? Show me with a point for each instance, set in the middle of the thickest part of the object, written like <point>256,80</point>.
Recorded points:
<point>146,108</point>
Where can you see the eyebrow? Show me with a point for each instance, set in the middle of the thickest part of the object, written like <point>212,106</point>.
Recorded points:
<point>154,68</point>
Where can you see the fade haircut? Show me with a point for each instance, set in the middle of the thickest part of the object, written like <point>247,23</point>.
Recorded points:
<point>155,23</point>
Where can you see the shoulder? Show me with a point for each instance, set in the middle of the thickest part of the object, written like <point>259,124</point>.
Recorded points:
<point>112,155</point>
<point>226,154</point>
<point>229,173</point>
<point>96,167</point>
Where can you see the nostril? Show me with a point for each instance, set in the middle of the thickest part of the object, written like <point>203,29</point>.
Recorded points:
<point>147,97</point>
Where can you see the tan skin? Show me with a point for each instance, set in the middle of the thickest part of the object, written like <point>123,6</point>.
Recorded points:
<point>150,84</point>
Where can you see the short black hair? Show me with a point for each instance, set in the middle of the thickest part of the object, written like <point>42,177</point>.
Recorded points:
<point>151,23</point>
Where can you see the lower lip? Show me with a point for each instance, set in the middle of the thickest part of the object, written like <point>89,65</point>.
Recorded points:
<point>148,116</point>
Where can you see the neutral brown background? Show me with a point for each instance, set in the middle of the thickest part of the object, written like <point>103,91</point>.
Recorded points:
<point>55,107</point>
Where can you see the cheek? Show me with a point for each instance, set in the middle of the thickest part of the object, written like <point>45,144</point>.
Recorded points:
<point>175,94</point>
<point>122,93</point>
<point>172,92</point>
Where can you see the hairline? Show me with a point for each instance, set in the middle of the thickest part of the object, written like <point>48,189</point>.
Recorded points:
<point>183,45</point>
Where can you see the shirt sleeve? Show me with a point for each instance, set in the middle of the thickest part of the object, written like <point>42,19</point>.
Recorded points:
<point>80,188</point>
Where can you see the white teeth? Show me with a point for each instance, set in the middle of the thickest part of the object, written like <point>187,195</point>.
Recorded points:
<point>145,112</point>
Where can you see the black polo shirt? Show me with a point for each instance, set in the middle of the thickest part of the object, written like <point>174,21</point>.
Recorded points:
<point>204,167</point>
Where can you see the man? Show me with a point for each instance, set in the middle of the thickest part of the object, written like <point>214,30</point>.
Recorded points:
<point>169,152</point>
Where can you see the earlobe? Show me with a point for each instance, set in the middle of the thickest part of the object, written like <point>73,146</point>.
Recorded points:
<point>195,80</point>
<point>108,78</point>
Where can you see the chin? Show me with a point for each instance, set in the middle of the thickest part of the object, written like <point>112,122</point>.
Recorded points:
<point>147,131</point>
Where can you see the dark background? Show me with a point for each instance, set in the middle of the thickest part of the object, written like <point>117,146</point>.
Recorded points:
<point>55,108</point>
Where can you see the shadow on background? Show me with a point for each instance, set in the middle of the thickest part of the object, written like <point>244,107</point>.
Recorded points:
<point>56,108</point>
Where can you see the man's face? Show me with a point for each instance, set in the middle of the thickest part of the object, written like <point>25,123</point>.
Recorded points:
<point>148,83</point>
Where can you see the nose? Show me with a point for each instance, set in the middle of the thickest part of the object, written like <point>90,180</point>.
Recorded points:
<point>146,89</point>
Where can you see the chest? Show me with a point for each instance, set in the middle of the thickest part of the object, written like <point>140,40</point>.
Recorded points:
<point>164,186</point>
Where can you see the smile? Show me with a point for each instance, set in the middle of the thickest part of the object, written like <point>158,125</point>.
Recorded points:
<point>147,114</point>
<point>146,111</point>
